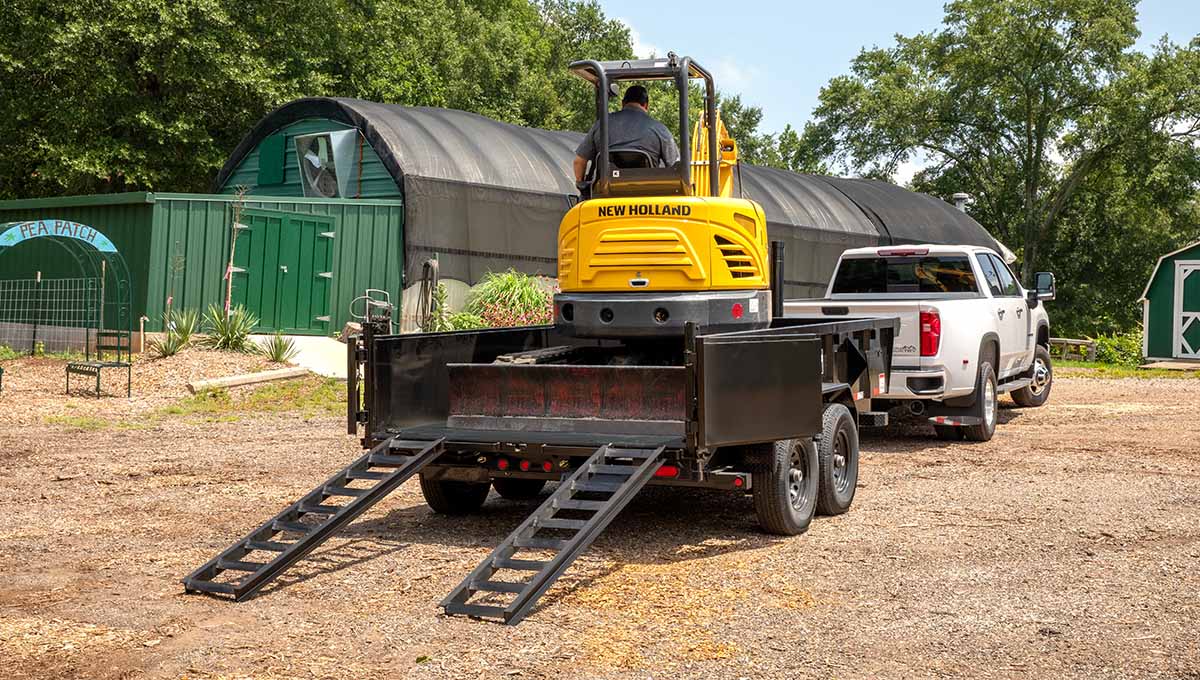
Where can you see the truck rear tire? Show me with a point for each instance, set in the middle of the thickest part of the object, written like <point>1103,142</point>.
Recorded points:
<point>985,389</point>
<point>518,489</point>
<point>785,487</point>
<point>1038,391</point>
<point>837,456</point>
<point>450,497</point>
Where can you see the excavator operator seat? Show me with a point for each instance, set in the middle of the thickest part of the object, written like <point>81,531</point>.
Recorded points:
<point>627,159</point>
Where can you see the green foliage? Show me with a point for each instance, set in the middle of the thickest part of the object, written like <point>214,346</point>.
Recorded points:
<point>230,332</point>
<point>1077,148</point>
<point>8,353</point>
<point>179,327</point>
<point>310,396</point>
<point>279,349</point>
<point>1122,349</point>
<point>466,321</point>
<point>439,316</point>
<point>512,298</point>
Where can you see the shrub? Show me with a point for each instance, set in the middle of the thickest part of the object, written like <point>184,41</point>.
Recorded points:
<point>439,317</point>
<point>466,321</point>
<point>512,299</point>
<point>7,353</point>
<point>279,349</point>
<point>230,332</point>
<point>178,328</point>
<point>1124,349</point>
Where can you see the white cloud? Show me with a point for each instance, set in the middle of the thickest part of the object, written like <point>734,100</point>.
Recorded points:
<point>641,49</point>
<point>733,77</point>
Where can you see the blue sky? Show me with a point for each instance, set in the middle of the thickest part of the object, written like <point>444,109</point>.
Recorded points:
<point>777,54</point>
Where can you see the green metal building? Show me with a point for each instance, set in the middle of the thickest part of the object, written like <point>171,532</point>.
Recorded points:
<point>1171,306</point>
<point>298,262</point>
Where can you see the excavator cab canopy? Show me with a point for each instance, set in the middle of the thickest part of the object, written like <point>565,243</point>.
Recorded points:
<point>616,172</point>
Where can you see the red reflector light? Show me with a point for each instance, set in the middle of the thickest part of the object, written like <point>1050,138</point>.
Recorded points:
<point>547,466</point>
<point>903,252</point>
<point>931,333</point>
<point>502,464</point>
<point>524,465</point>
<point>739,482</point>
<point>737,310</point>
<point>667,471</point>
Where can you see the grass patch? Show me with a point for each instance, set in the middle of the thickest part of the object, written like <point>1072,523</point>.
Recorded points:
<point>88,423</point>
<point>1093,369</point>
<point>310,397</point>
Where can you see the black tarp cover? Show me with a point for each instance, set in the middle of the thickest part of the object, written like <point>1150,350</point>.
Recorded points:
<point>486,195</point>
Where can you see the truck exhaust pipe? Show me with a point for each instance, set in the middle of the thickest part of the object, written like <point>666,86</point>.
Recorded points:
<point>916,407</point>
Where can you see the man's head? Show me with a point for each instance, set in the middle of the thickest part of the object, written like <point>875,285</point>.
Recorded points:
<point>636,95</point>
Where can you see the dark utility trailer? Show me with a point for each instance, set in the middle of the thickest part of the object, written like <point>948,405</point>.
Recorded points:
<point>772,412</point>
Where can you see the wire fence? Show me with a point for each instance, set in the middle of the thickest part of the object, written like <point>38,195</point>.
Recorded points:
<point>49,315</point>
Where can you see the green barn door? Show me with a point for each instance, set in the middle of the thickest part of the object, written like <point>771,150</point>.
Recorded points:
<point>283,268</point>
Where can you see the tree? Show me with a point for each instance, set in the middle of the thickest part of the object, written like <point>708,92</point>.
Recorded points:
<point>1020,103</point>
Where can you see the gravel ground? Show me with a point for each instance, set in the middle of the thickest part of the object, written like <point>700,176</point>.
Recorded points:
<point>1067,546</point>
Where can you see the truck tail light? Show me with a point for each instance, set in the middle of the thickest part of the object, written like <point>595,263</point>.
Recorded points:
<point>931,333</point>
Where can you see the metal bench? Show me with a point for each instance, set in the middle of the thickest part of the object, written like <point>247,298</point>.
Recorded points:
<point>116,342</point>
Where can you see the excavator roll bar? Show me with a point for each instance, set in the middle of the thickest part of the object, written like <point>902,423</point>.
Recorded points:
<point>602,74</point>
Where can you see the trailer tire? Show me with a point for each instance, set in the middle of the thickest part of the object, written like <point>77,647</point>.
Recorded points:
<point>514,489</point>
<point>985,388</point>
<point>449,497</point>
<point>785,487</point>
<point>837,456</point>
<point>1037,392</point>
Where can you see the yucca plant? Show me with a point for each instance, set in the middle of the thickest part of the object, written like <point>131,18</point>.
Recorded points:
<point>279,349</point>
<point>231,331</point>
<point>179,325</point>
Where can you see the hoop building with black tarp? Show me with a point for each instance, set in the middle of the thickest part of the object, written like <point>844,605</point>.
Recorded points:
<point>485,195</point>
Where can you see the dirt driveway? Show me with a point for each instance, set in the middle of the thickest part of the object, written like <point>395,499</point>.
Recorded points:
<point>1067,546</point>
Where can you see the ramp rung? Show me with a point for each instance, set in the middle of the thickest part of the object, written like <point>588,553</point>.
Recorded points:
<point>274,546</point>
<point>631,453</point>
<point>498,586</point>
<point>597,486</point>
<point>407,445</point>
<point>318,509</point>
<point>624,470</point>
<point>366,474</point>
<point>312,533</point>
<point>518,565</point>
<point>479,610</point>
<point>559,523</point>
<point>576,504</point>
<point>210,586</point>
<point>238,565</point>
<point>541,543</point>
<point>384,460</point>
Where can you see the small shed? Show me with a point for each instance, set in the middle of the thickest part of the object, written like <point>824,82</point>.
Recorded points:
<point>1171,306</point>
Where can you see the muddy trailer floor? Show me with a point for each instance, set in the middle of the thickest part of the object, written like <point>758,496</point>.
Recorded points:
<point>1066,546</point>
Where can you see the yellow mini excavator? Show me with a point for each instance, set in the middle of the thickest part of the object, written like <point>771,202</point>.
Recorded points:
<point>652,248</point>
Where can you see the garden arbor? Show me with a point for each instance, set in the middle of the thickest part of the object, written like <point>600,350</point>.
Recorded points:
<point>83,306</point>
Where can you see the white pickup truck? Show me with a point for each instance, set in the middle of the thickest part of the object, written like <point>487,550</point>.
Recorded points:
<point>968,330</point>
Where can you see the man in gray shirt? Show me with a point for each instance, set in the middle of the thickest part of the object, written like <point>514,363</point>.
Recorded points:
<point>630,128</point>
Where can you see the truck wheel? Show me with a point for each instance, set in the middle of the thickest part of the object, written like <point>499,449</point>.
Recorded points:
<point>785,487</point>
<point>1038,391</point>
<point>837,456</point>
<point>985,388</point>
<point>518,489</point>
<point>450,497</point>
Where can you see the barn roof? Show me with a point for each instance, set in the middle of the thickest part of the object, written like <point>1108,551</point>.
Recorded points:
<point>461,147</point>
<point>1158,266</point>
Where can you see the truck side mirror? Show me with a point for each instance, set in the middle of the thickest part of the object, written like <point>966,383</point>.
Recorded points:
<point>1043,283</point>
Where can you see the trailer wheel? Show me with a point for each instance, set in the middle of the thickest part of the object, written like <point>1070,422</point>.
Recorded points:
<point>986,389</point>
<point>837,456</point>
<point>1038,391</point>
<point>785,487</point>
<point>450,497</point>
<point>518,489</point>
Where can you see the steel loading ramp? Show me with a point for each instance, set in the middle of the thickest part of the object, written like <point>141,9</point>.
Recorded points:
<point>313,518</point>
<point>564,526</point>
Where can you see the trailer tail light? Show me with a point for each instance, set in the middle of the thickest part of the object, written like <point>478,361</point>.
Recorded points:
<point>737,310</point>
<point>667,471</point>
<point>931,333</point>
<point>547,466</point>
<point>524,465</point>
<point>502,464</point>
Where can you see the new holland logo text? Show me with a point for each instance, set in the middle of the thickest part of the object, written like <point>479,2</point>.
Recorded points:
<point>643,210</point>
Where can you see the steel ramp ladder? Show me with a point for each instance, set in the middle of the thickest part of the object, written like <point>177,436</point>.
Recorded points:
<point>313,519</point>
<point>598,490</point>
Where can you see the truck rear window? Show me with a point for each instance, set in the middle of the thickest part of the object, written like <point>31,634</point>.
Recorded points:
<point>930,274</point>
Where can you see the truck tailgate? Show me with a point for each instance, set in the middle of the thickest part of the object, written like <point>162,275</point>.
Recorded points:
<point>906,352</point>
